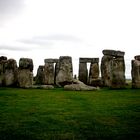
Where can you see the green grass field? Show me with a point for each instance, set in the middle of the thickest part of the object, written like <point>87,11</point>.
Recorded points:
<point>37,114</point>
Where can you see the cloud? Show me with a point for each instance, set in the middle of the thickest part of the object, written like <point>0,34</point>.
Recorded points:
<point>13,48</point>
<point>10,8</point>
<point>49,40</point>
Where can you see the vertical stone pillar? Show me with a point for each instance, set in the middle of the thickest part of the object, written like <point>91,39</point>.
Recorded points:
<point>106,70</point>
<point>10,75</point>
<point>25,73</point>
<point>94,73</point>
<point>135,72</point>
<point>40,75</point>
<point>49,72</point>
<point>113,69</point>
<point>65,73</point>
<point>117,73</point>
<point>83,72</point>
<point>3,60</point>
<point>56,71</point>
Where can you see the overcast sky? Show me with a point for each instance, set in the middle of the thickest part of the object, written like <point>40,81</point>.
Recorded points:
<point>41,29</point>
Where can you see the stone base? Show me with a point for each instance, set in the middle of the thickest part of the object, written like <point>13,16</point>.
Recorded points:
<point>136,85</point>
<point>79,86</point>
<point>25,78</point>
<point>43,86</point>
<point>96,82</point>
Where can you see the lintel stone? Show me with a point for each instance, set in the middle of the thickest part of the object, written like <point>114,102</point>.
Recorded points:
<point>50,60</point>
<point>137,57</point>
<point>114,53</point>
<point>88,60</point>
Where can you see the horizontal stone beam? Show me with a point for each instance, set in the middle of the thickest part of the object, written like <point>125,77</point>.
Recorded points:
<point>51,60</point>
<point>113,53</point>
<point>89,60</point>
<point>137,57</point>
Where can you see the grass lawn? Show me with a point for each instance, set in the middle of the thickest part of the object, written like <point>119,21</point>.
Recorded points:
<point>37,114</point>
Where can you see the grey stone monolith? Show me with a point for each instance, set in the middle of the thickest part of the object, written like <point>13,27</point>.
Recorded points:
<point>3,60</point>
<point>94,79</point>
<point>113,69</point>
<point>83,72</point>
<point>65,73</point>
<point>56,71</point>
<point>117,73</point>
<point>49,73</point>
<point>10,74</point>
<point>106,70</point>
<point>25,73</point>
<point>135,72</point>
<point>40,76</point>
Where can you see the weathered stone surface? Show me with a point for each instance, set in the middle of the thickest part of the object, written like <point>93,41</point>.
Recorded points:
<point>113,71</point>
<point>1,79</point>
<point>50,60</point>
<point>137,57</point>
<point>117,73</point>
<point>11,64</point>
<point>79,86</point>
<point>40,75</point>
<point>3,58</point>
<point>106,70</point>
<point>94,70</point>
<point>113,53</point>
<point>96,82</point>
<point>65,73</point>
<point>2,70</point>
<point>135,73</point>
<point>25,78</point>
<point>25,74</point>
<point>56,71</point>
<point>43,86</point>
<point>26,63</point>
<point>94,75</point>
<point>49,74</point>
<point>10,74</point>
<point>83,72</point>
<point>88,60</point>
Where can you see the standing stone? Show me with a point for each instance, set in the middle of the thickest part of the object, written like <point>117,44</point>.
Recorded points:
<point>56,71</point>
<point>50,71</point>
<point>10,75</point>
<point>113,69</point>
<point>106,70</point>
<point>25,73</point>
<point>40,75</point>
<point>135,72</point>
<point>94,74</point>
<point>65,74</point>
<point>26,63</point>
<point>3,60</point>
<point>49,74</point>
<point>117,73</point>
<point>83,72</point>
